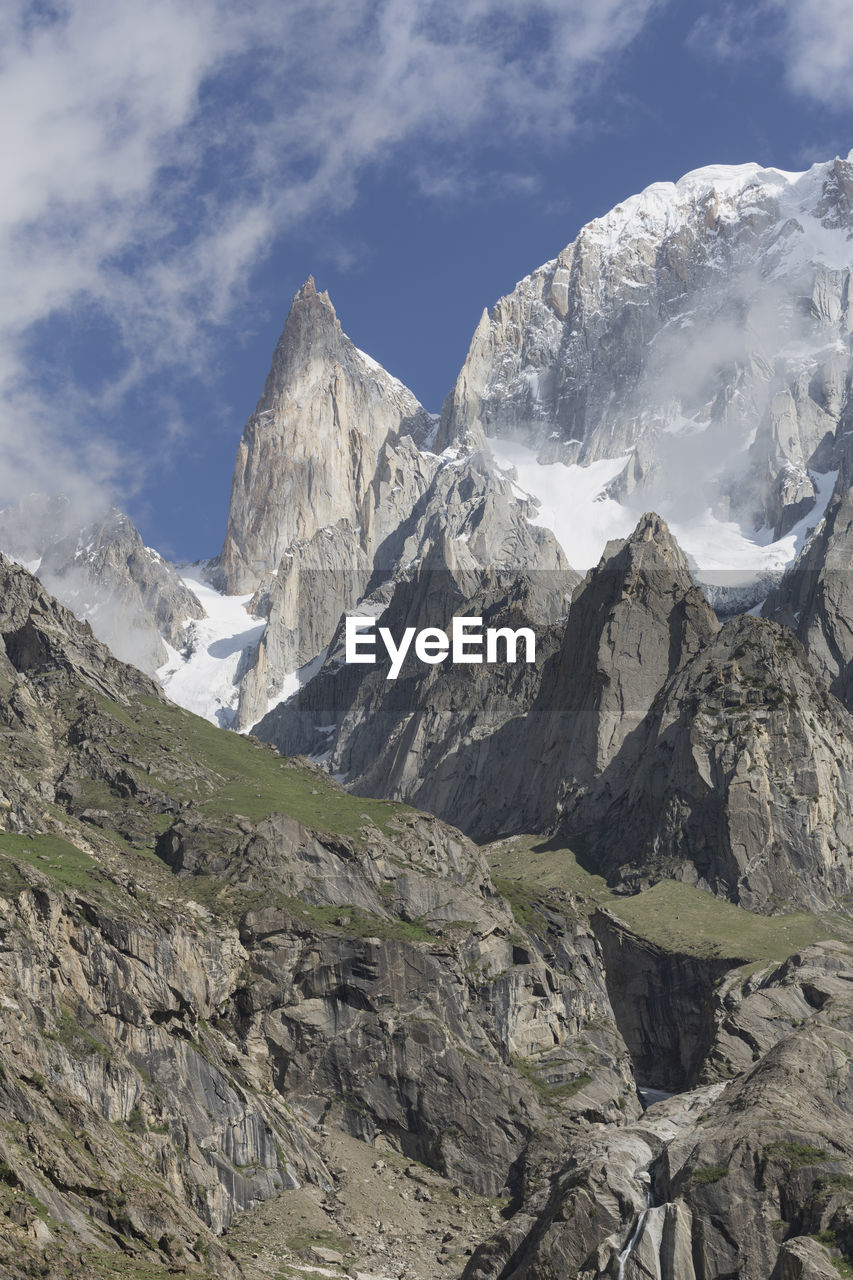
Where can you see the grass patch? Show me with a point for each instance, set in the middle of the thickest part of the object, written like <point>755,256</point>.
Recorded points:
<point>301,1241</point>
<point>675,916</point>
<point>101,1265</point>
<point>522,897</point>
<point>234,775</point>
<point>707,1176</point>
<point>355,923</point>
<point>58,859</point>
<point>551,1093</point>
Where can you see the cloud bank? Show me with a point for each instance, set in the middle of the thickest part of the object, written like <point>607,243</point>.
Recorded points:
<point>152,153</point>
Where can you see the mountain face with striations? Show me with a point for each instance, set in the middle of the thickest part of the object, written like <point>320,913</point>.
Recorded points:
<point>260,1021</point>
<point>255,1025</point>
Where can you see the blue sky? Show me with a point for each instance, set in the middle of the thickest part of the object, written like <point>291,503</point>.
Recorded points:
<point>173,171</point>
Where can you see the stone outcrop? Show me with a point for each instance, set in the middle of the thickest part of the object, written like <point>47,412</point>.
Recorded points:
<point>740,780</point>
<point>656,742</point>
<point>103,572</point>
<point>309,453</point>
<point>637,617</point>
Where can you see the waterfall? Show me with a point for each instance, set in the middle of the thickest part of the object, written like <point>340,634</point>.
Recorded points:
<point>635,1235</point>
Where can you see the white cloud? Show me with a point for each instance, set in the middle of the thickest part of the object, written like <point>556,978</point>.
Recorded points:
<point>151,152</point>
<point>812,38</point>
<point>819,50</point>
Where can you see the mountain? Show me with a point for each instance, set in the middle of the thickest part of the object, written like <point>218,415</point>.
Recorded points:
<point>696,337</point>
<point>207,950</point>
<point>254,1024</point>
<point>308,454</point>
<point>687,353</point>
<point>102,571</point>
<point>337,490</point>
<point>257,1022</point>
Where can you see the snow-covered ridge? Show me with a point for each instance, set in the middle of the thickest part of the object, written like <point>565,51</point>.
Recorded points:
<point>723,192</point>
<point>663,206</point>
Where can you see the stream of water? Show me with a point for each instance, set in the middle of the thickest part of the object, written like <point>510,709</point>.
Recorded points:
<point>635,1235</point>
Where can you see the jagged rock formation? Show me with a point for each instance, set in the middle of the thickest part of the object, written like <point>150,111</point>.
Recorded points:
<point>656,742</point>
<point>750,1179</point>
<point>336,490</point>
<point>754,260</point>
<point>741,779</point>
<point>815,598</point>
<point>350,960</point>
<point>637,617</point>
<point>196,1001</point>
<point>503,760</point>
<point>431,736</point>
<point>309,452</point>
<point>103,572</point>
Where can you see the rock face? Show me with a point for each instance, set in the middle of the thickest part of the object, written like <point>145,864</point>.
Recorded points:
<point>749,1179</point>
<point>309,452</point>
<point>741,778</point>
<point>213,960</point>
<point>467,517</point>
<point>343,960</point>
<point>637,617</point>
<point>336,491</point>
<point>498,749</point>
<point>815,598</point>
<point>104,573</point>
<point>656,742</point>
<point>751,258</point>
<point>432,735</point>
<point>666,1004</point>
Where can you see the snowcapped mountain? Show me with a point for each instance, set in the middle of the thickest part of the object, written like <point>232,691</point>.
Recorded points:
<point>692,348</point>
<point>688,353</point>
<point>100,568</point>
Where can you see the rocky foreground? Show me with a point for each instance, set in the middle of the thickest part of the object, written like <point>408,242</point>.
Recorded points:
<point>254,1025</point>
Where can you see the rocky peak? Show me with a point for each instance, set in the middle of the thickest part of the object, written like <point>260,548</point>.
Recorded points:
<point>312,332</point>
<point>97,565</point>
<point>41,639</point>
<point>741,779</point>
<point>836,203</point>
<point>635,619</point>
<point>312,448</point>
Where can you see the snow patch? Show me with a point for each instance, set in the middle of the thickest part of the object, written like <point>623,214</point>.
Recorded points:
<point>203,676</point>
<point>576,507</point>
<point>572,500</point>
